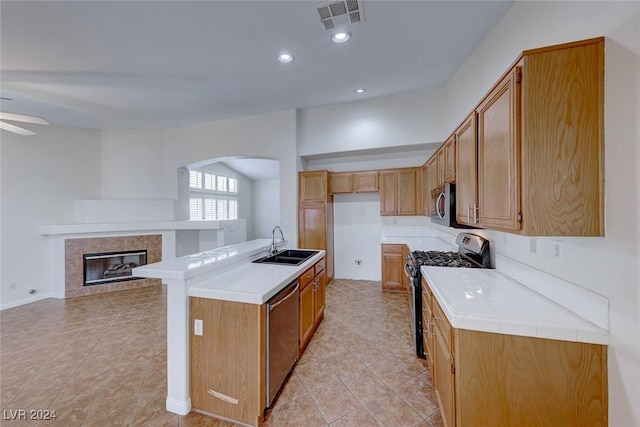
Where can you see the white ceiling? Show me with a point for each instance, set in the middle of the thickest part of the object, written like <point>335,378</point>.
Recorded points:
<point>159,64</point>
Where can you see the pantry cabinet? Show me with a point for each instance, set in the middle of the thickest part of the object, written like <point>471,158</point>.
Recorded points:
<point>500,380</point>
<point>315,215</point>
<point>539,146</point>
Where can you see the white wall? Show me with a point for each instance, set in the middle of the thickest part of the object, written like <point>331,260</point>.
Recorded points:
<point>266,209</point>
<point>399,120</point>
<point>357,230</point>
<point>608,265</point>
<point>132,165</point>
<point>271,135</point>
<point>42,175</point>
<point>357,220</point>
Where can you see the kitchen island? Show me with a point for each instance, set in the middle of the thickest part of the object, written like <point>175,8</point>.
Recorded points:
<point>225,274</point>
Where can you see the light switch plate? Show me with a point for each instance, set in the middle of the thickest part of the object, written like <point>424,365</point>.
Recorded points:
<point>197,327</point>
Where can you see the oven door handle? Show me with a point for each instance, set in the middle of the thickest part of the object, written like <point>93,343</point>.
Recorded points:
<point>407,272</point>
<point>440,214</point>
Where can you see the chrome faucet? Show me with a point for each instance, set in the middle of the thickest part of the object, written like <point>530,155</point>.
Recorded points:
<point>274,245</point>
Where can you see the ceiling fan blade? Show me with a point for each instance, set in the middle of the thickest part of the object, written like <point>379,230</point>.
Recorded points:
<point>15,129</point>
<point>23,118</point>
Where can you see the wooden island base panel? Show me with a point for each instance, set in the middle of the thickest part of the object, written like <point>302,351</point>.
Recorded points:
<point>228,361</point>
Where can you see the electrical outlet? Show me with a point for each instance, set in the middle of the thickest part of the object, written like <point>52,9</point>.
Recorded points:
<point>557,250</point>
<point>358,263</point>
<point>197,327</point>
<point>533,245</point>
<point>12,286</point>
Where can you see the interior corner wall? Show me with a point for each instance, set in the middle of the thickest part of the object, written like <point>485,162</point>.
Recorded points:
<point>607,265</point>
<point>266,209</point>
<point>398,120</point>
<point>160,153</point>
<point>42,175</point>
<point>245,195</point>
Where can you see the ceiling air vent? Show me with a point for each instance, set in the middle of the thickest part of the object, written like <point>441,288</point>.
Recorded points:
<point>340,14</point>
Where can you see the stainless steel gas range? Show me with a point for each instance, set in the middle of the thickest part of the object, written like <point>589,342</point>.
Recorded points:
<point>473,252</point>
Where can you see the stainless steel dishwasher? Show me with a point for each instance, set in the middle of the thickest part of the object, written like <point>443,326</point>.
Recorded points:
<point>282,337</point>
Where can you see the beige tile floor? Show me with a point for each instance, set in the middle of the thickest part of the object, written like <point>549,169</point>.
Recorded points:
<point>101,361</point>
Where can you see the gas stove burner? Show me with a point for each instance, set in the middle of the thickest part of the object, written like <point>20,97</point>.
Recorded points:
<point>443,259</point>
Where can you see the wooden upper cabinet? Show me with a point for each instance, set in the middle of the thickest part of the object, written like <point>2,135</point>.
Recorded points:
<point>407,191</point>
<point>426,189</point>
<point>341,182</point>
<point>399,192</point>
<point>312,187</point>
<point>433,182</point>
<point>389,192</point>
<point>354,182</point>
<point>466,171</point>
<point>441,163</point>
<point>498,143</point>
<point>563,140</point>
<point>449,149</point>
<point>365,182</point>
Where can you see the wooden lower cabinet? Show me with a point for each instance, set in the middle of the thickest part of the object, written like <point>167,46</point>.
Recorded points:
<point>312,302</point>
<point>227,370</point>
<point>227,363</point>
<point>499,380</point>
<point>393,278</point>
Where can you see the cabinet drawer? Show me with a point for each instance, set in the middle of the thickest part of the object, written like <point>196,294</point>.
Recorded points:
<point>392,249</point>
<point>306,277</point>
<point>442,323</point>
<point>319,266</point>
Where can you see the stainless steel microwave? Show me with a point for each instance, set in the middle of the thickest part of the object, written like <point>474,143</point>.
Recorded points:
<point>445,206</point>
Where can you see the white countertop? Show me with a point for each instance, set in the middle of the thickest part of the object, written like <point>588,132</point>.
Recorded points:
<point>188,266</point>
<point>487,300</point>
<point>490,301</point>
<point>228,273</point>
<point>250,282</point>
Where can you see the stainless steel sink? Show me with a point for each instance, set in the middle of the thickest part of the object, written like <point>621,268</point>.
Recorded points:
<point>287,257</point>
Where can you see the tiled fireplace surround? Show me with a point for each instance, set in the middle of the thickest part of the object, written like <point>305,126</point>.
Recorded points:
<point>74,249</point>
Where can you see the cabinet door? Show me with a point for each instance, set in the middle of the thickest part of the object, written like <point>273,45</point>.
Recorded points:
<point>307,313</point>
<point>426,190</point>
<point>444,379</point>
<point>341,182</point>
<point>312,187</point>
<point>498,179</point>
<point>427,327</point>
<point>319,296</point>
<point>467,171</point>
<point>389,192</point>
<point>407,194</point>
<point>441,163</point>
<point>392,268</point>
<point>312,227</point>
<point>450,159</point>
<point>365,182</point>
<point>433,183</point>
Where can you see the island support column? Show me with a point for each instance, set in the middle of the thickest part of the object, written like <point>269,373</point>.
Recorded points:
<point>178,397</point>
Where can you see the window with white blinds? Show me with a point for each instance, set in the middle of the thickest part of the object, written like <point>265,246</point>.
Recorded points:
<point>212,196</point>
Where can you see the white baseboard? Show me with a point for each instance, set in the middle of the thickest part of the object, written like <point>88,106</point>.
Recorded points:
<point>180,407</point>
<point>28,300</point>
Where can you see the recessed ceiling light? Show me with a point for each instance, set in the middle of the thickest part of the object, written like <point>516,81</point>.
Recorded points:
<point>285,57</point>
<point>360,90</point>
<point>340,37</point>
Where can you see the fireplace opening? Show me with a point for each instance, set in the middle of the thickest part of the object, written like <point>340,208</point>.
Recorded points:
<point>111,267</point>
